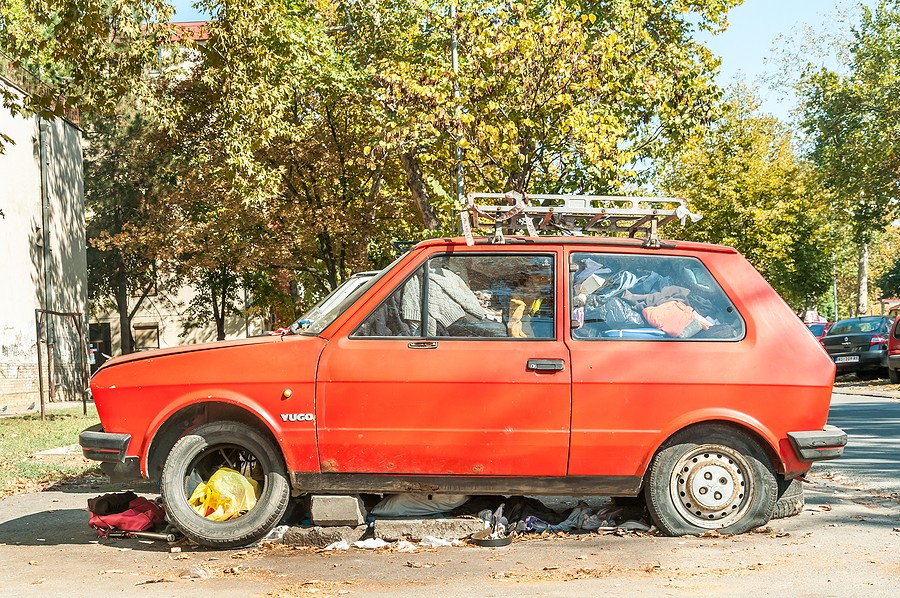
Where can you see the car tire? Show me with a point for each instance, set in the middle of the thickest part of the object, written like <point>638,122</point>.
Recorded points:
<point>710,477</point>
<point>197,455</point>
<point>893,376</point>
<point>791,499</point>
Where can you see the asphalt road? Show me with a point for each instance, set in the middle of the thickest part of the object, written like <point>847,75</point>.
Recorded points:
<point>872,457</point>
<point>844,544</point>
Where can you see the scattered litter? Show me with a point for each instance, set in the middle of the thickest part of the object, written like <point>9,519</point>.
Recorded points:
<point>276,534</point>
<point>432,542</point>
<point>175,549</point>
<point>417,505</point>
<point>196,573</point>
<point>404,546</point>
<point>634,526</point>
<point>371,543</point>
<point>339,545</point>
<point>417,565</point>
<point>33,563</point>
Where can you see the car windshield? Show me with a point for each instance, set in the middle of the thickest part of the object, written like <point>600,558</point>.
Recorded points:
<point>323,312</point>
<point>860,326</point>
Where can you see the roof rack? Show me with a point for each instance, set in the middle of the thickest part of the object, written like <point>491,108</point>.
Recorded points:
<point>572,214</point>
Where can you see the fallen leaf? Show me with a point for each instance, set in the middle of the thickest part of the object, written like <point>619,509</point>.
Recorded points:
<point>149,581</point>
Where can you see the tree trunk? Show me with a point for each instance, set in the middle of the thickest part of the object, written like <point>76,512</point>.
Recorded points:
<point>862,281</point>
<point>126,340</point>
<point>419,191</point>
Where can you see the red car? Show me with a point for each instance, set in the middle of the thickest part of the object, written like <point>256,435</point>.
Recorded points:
<point>893,350</point>
<point>819,329</point>
<point>535,365</point>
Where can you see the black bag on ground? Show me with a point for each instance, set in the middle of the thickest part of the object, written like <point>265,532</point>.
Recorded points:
<point>108,504</point>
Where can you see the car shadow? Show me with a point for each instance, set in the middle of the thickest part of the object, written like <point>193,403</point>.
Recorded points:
<point>64,527</point>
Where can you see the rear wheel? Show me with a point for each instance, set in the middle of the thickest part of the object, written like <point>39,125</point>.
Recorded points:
<point>791,499</point>
<point>894,376</point>
<point>710,477</point>
<point>202,452</point>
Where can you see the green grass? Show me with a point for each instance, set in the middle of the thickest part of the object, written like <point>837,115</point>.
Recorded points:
<point>23,436</point>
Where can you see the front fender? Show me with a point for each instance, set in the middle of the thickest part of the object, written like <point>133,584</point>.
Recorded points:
<point>297,445</point>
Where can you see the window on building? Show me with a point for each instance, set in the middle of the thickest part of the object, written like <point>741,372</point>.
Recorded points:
<point>146,336</point>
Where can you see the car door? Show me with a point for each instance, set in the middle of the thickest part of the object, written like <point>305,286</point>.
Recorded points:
<point>479,386</point>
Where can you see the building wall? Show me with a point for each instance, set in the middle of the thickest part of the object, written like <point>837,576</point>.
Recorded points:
<point>40,269</point>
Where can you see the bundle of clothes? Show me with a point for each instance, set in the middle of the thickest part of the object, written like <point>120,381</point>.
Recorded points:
<point>645,305</point>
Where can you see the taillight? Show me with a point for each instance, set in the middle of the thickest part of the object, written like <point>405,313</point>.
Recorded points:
<point>877,339</point>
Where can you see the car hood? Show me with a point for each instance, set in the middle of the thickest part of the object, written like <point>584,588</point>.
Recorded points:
<point>184,349</point>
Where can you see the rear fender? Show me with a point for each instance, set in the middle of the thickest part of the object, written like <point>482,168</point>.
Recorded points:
<point>768,442</point>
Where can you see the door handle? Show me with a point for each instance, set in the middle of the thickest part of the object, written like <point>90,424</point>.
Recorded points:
<point>545,365</point>
<point>423,345</point>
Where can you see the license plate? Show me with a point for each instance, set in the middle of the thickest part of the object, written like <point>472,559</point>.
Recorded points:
<point>847,359</point>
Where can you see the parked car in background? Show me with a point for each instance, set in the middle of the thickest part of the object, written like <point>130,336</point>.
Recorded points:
<point>859,345</point>
<point>819,329</point>
<point>894,353</point>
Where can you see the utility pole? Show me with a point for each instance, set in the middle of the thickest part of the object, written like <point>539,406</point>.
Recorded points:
<point>457,151</point>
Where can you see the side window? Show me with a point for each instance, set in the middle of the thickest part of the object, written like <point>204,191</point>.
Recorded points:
<point>471,296</point>
<point>618,296</point>
<point>400,314</point>
<point>491,296</point>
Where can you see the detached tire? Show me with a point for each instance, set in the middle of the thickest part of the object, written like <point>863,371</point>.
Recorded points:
<point>199,454</point>
<point>791,499</point>
<point>710,477</point>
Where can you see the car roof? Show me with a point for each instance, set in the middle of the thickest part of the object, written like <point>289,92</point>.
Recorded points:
<point>580,240</point>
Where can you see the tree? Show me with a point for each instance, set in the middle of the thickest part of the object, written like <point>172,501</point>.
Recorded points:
<point>853,121</point>
<point>123,184</point>
<point>89,52</point>
<point>757,197</point>
<point>338,121</point>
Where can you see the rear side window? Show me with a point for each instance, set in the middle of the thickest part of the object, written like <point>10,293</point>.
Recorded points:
<point>649,297</point>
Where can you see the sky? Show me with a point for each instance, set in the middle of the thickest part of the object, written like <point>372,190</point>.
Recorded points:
<point>759,33</point>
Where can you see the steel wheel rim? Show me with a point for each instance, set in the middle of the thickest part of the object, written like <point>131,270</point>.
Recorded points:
<point>711,486</point>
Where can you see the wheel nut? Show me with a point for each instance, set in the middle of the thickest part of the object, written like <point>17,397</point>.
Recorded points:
<point>707,475</point>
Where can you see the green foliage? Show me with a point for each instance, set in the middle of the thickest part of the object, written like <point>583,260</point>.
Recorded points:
<point>91,52</point>
<point>756,196</point>
<point>853,121</point>
<point>889,279</point>
<point>305,136</point>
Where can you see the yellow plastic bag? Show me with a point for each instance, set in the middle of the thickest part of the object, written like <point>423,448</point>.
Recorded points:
<point>225,495</point>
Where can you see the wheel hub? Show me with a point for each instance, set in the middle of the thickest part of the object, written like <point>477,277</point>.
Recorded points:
<point>710,486</point>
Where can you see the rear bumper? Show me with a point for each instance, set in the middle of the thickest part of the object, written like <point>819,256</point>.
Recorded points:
<point>894,362</point>
<point>103,446</point>
<point>819,445</point>
<point>868,360</point>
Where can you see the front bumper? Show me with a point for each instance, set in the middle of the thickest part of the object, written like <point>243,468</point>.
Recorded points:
<point>819,445</point>
<point>103,446</point>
